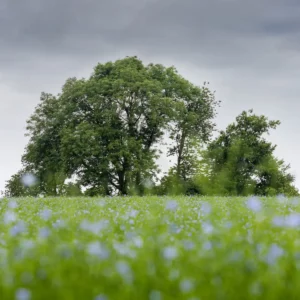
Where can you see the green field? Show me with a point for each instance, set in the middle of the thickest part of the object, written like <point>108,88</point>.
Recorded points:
<point>150,248</point>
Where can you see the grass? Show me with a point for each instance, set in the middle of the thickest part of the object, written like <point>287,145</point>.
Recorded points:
<point>149,248</point>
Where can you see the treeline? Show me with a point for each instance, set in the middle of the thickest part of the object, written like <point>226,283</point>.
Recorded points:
<point>105,133</point>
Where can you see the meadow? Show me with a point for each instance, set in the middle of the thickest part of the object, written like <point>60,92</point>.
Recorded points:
<point>155,248</point>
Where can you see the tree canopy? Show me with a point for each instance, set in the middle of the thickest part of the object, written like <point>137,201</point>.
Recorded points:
<point>105,130</point>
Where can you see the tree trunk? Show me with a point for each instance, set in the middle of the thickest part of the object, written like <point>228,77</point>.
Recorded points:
<point>180,154</point>
<point>139,185</point>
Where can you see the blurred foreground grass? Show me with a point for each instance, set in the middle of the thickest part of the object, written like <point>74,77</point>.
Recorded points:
<point>150,248</point>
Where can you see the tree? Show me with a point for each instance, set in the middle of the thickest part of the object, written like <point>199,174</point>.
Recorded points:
<point>240,161</point>
<point>26,184</point>
<point>42,154</point>
<point>193,125</point>
<point>105,129</point>
<point>273,178</point>
<point>16,188</point>
<point>171,184</point>
<point>117,117</point>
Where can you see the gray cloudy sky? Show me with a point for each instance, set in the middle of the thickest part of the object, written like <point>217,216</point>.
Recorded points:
<point>247,49</point>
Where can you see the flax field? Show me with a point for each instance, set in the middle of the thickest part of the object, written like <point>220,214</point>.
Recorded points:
<point>156,248</point>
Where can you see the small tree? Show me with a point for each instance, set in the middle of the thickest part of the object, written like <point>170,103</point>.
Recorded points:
<point>241,162</point>
<point>193,124</point>
<point>16,187</point>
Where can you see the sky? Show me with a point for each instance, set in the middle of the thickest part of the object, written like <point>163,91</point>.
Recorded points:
<point>249,51</point>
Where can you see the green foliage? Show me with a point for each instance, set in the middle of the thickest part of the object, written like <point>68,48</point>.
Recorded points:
<point>172,184</point>
<point>240,161</point>
<point>15,188</point>
<point>117,116</point>
<point>105,129</point>
<point>72,189</point>
<point>108,130</point>
<point>42,154</point>
<point>193,124</point>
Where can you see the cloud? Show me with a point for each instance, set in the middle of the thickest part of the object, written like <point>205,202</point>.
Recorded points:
<point>222,33</point>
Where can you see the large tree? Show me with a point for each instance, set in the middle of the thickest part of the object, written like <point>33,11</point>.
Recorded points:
<point>105,129</point>
<point>118,115</point>
<point>240,161</point>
